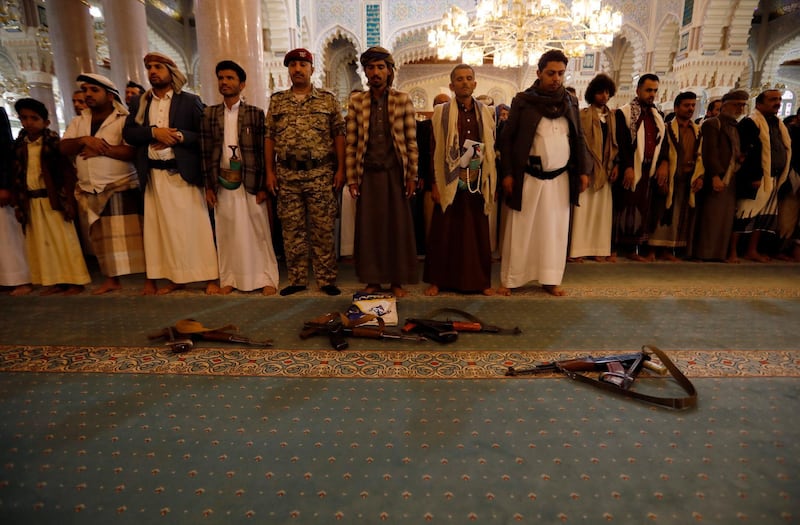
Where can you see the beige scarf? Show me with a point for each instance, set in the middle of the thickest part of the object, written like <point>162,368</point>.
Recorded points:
<point>446,155</point>
<point>766,153</point>
<point>673,159</point>
<point>603,155</point>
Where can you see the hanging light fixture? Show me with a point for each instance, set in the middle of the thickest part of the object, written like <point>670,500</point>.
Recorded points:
<point>516,32</point>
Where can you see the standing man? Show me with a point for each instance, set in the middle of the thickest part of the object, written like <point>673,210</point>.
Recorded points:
<point>459,253</point>
<point>644,170</point>
<point>674,202</point>
<point>78,102</point>
<point>721,159</point>
<point>305,170</point>
<point>164,127</point>
<point>232,140</point>
<point>544,165</point>
<point>767,148</point>
<point>107,192</point>
<point>713,109</point>
<point>382,161</point>
<point>132,92</point>
<point>422,208</point>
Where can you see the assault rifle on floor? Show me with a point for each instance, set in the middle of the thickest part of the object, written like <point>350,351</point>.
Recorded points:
<point>339,328</point>
<point>617,374</point>
<point>180,337</point>
<point>446,331</point>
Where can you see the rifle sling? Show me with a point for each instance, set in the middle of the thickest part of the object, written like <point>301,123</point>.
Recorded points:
<point>677,403</point>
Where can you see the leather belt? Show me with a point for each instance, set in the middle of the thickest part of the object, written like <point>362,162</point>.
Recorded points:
<point>295,164</point>
<point>155,164</point>
<point>544,175</point>
<point>37,194</point>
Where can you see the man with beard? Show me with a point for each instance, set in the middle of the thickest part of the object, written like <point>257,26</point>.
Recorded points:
<point>674,202</point>
<point>646,169</point>
<point>108,194</point>
<point>459,253</point>
<point>721,159</point>
<point>382,161</point>
<point>232,140</point>
<point>164,127</point>
<point>545,167</point>
<point>305,170</point>
<point>767,148</point>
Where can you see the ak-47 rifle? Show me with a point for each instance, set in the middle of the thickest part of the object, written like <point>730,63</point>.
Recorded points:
<point>182,335</point>
<point>447,331</point>
<point>618,372</point>
<point>338,328</point>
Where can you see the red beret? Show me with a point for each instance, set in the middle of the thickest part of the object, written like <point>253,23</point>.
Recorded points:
<point>298,54</point>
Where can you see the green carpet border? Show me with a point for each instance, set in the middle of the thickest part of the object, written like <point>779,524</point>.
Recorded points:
<point>366,364</point>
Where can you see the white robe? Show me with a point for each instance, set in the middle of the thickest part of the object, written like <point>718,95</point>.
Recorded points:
<point>591,224</point>
<point>178,242</point>
<point>13,263</point>
<point>244,241</point>
<point>535,239</point>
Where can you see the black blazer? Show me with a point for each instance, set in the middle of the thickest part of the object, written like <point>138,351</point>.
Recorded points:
<point>185,114</point>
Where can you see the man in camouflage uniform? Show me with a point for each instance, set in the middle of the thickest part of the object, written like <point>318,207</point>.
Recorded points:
<point>305,169</point>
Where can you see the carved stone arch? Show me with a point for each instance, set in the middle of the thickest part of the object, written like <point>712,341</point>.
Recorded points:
<point>340,63</point>
<point>786,49</point>
<point>411,45</point>
<point>726,24</point>
<point>666,44</point>
<point>638,47</point>
<point>332,33</point>
<point>277,25</point>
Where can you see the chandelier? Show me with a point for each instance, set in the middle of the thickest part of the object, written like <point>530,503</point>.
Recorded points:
<point>516,32</point>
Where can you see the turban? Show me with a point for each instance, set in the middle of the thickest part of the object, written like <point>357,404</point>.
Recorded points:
<point>298,54</point>
<point>178,78</point>
<point>178,81</point>
<point>99,80</point>
<point>738,94</point>
<point>377,53</point>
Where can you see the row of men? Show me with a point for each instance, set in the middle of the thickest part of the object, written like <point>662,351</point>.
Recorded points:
<point>550,154</point>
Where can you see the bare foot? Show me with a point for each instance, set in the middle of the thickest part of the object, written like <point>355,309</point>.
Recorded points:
<point>599,258</point>
<point>784,257</point>
<point>23,289</point>
<point>756,257</point>
<point>110,284</point>
<point>269,290</point>
<point>399,291</point>
<point>73,289</point>
<point>51,290</point>
<point>169,288</point>
<point>502,290</point>
<point>612,258</point>
<point>225,290</point>
<point>666,256</point>
<point>574,259</point>
<point>640,258</point>
<point>488,291</point>
<point>432,290</point>
<point>371,288</point>
<point>149,287</point>
<point>212,288</point>
<point>554,289</point>
<point>733,259</point>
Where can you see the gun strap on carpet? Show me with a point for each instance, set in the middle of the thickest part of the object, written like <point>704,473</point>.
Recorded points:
<point>475,319</point>
<point>678,403</point>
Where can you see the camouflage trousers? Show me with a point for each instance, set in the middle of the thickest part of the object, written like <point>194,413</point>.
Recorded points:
<point>307,210</point>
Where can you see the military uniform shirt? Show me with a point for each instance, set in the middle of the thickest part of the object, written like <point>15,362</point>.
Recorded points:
<point>304,128</point>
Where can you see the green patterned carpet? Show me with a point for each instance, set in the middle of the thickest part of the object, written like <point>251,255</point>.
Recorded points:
<point>100,425</point>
